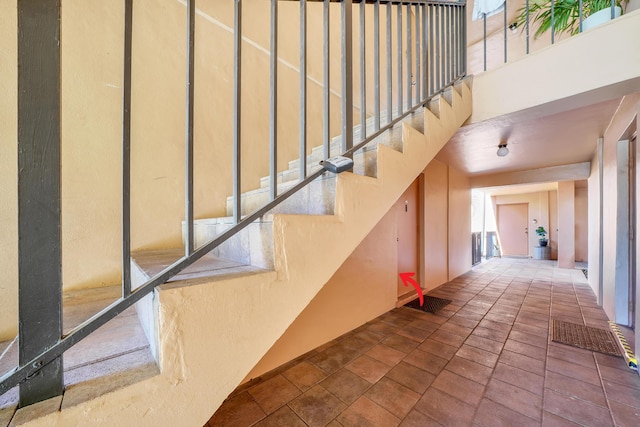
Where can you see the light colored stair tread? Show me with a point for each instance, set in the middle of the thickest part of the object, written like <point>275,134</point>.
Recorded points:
<point>118,345</point>
<point>209,266</point>
<point>6,413</point>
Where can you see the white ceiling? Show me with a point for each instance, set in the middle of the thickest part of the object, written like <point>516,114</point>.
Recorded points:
<point>552,140</point>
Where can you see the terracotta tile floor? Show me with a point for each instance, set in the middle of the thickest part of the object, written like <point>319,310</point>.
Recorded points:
<point>485,360</point>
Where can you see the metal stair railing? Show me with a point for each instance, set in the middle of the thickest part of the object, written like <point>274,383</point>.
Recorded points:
<point>425,56</point>
<point>544,11</point>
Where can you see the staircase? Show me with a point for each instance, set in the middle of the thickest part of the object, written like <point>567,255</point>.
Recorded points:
<point>210,325</point>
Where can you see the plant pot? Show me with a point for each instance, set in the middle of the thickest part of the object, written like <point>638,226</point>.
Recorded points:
<point>599,18</point>
<point>543,242</point>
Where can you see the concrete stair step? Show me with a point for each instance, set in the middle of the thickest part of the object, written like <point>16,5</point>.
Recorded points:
<point>392,139</point>
<point>119,348</point>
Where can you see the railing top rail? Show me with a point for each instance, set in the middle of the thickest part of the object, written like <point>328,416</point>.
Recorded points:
<point>451,2</point>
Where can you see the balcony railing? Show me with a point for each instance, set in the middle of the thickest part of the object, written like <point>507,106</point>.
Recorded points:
<point>549,18</point>
<point>404,52</point>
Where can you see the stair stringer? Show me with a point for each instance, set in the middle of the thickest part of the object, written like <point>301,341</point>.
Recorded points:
<point>212,332</point>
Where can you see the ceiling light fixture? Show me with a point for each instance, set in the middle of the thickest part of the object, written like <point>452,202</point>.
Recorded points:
<point>502,150</point>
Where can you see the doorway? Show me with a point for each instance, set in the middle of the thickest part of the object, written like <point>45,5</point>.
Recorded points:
<point>408,231</point>
<point>513,220</point>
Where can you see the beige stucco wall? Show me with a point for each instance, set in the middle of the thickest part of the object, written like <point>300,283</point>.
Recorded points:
<point>553,223</point>
<point>595,253</point>
<point>626,118</point>
<point>363,288</point>
<point>566,224</point>
<point>436,183</point>
<point>459,240</point>
<point>581,224</point>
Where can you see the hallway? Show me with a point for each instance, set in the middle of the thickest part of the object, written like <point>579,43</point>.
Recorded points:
<point>486,359</point>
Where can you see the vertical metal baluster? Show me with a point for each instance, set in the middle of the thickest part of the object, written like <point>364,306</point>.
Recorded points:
<point>347,76</point>
<point>461,50</point>
<point>613,10</point>
<point>425,70</point>
<point>399,31</point>
<point>452,43</point>
<point>527,24</point>
<point>438,59</point>
<point>389,66</point>
<point>579,16</point>
<point>273,110</point>
<point>303,90</point>
<point>456,42</point>
<point>446,28</point>
<point>432,49</point>
<point>463,18</point>
<point>376,65</point>
<point>326,129</point>
<point>484,38</point>
<point>505,32</point>
<point>39,195</point>
<point>442,32</point>
<point>553,20</point>
<point>237,104</point>
<point>188,191</point>
<point>363,75</point>
<point>126,149</point>
<point>416,17</point>
<point>409,60</point>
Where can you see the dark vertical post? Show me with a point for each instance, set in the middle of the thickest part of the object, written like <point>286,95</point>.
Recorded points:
<point>273,110</point>
<point>326,136</point>
<point>126,150</point>
<point>237,108</point>
<point>347,76</point>
<point>188,191</point>
<point>39,206</point>
<point>303,90</point>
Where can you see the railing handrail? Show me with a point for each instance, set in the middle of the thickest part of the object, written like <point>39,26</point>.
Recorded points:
<point>446,66</point>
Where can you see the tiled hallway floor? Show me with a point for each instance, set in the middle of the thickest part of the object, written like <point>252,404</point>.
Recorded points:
<point>486,360</point>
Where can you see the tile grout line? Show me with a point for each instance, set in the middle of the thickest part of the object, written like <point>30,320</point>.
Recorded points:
<point>595,359</point>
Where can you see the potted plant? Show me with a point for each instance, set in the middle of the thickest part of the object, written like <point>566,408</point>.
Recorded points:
<point>566,15</point>
<point>542,236</point>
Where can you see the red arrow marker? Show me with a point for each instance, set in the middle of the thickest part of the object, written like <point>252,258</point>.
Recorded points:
<point>408,278</point>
